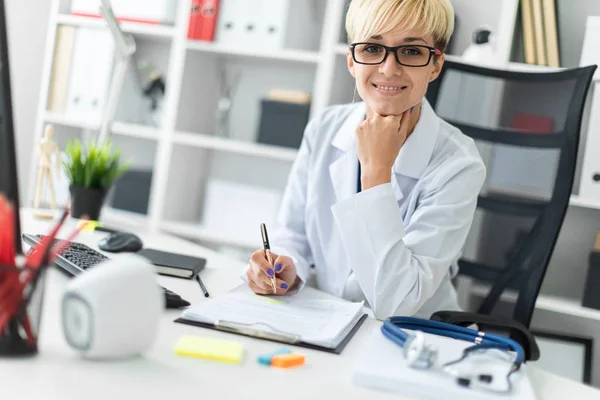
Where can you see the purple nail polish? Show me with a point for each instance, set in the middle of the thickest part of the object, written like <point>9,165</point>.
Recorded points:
<point>277,267</point>
<point>411,109</point>
<point>284,286</point>
<point>270,272</point>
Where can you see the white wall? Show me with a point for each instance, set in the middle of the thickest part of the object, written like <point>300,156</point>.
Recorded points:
<point>27,22</point>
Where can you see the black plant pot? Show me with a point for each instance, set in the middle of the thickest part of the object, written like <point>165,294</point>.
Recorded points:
<point>86,202</point>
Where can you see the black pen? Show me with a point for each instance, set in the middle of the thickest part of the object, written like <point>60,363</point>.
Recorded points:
<point>202,286</point>
<point>267,248</point>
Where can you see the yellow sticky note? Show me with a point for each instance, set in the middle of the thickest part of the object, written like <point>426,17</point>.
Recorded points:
<point>88,226</point>
<point>209,348</point>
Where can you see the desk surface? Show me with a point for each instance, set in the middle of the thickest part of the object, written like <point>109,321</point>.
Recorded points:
<point>59,373</point>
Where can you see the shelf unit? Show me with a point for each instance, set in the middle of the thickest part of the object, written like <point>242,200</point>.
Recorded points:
<point>184,152</point>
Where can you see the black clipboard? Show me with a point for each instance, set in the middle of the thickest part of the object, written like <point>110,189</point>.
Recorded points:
<point>336,350</point>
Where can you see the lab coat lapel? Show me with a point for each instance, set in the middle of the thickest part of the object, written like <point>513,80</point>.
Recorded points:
<point>416,153</point>
<point>344,167</point>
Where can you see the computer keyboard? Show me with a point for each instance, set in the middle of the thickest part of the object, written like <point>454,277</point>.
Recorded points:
<point>77,258</point>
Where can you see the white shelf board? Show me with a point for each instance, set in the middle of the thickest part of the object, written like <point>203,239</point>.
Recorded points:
<point>556,304</point>
<point>135,28</point>
<point>65,120</point>
<point>578,201</point>
<point>566,306</point>
<point>303,56</point>
<point>118,128</point>
<point>134,130</point>
<point>235,146</point>
<point>198,232</point>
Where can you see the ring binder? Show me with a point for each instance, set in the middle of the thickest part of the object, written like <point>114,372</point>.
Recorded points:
<point>246,329</point>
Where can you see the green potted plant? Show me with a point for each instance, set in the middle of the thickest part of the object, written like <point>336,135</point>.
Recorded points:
<point>92,170</point>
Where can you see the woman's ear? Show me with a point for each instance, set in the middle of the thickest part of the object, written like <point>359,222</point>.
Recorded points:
<point>437,68</point>
<point>350,62</point>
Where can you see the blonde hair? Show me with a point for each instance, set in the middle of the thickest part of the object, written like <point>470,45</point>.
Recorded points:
<point>366,18</point>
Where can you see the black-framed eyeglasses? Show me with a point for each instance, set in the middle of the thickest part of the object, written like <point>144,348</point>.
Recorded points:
<point>408,55</point>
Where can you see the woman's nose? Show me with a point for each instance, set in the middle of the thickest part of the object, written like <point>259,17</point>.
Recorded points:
<point>390,66</point>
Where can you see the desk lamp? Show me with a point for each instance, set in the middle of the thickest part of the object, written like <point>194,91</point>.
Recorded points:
<point>124,49</point>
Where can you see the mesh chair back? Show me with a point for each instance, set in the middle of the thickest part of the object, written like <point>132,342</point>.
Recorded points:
<point>526,127</point>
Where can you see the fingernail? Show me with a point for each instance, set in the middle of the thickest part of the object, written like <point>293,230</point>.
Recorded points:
<point>277,267</point>
<point>411,109</point>
<point>284,286</point>
<point>270,272</point>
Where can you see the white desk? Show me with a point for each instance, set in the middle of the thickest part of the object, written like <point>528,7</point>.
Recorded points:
<point>58,373</point>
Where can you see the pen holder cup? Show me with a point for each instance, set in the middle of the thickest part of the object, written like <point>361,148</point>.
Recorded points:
<point>21,299</point>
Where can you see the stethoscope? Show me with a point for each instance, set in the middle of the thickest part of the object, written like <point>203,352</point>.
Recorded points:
<point>420,355</point>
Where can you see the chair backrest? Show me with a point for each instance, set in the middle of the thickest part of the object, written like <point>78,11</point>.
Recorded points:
<point>526,127</point>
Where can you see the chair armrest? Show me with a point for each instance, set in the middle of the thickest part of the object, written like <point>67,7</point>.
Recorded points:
<point>516,331</point>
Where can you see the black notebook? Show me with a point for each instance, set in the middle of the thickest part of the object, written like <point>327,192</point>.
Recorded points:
<point>173,264</point>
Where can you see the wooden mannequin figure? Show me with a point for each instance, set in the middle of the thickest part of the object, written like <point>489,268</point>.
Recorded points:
<point>46,148</point>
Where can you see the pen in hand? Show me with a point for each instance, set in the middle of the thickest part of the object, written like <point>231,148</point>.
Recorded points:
<point>267,248</point>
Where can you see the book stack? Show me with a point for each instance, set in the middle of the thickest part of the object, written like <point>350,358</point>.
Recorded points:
<point>540,32</point>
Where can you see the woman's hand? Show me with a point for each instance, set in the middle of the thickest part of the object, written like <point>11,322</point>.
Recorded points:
<point>260,272</point>
<point>379,140</point>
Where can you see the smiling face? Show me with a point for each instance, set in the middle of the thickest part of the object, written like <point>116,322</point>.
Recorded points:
<point>390,88</point>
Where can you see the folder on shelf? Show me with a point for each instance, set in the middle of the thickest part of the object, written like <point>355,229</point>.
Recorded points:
<point>273,20</point>
<point>267,24</point>
<point>91,68</point>
<point>309,318</point>
<point>203,20</point>
<point>61,66</point>
<point>551,32</point>
<point>528,36</point>
<point>538,33</point>
<point>229,24</point>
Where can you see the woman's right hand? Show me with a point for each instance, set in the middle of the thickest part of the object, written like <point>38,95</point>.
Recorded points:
<point>260,272</point>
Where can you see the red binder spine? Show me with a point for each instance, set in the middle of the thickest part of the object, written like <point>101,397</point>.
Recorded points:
<point>194,12</point>
<point>204,15</point>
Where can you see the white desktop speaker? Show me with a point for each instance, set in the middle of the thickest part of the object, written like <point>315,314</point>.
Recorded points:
<point>114,309</point>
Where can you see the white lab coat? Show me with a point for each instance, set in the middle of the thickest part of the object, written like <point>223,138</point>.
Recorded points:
<point>392,245</point>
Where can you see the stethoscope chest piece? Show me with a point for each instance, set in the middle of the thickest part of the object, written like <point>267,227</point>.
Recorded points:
<point>417,353</point>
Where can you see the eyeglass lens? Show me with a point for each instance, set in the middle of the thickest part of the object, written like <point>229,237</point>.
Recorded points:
<point>369,53</point>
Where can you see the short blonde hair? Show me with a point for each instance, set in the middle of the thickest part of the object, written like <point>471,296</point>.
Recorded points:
<point>366,18</point>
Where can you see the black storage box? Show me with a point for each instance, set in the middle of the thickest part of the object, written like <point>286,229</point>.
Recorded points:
<point>591,294</point>
<point>282,123</point>
<point>132,191</point>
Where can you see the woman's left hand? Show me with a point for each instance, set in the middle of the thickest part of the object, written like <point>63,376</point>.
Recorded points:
<point>379,140</point>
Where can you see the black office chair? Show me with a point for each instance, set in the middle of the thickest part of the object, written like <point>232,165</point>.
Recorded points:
<point>526,126</point>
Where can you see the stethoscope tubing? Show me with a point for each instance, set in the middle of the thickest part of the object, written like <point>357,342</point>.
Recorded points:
<point>393,329</point>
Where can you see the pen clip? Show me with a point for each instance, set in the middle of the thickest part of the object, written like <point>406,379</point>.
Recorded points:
<point>246,329</point>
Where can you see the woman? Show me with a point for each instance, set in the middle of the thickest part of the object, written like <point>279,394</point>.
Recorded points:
<point>388,229</point>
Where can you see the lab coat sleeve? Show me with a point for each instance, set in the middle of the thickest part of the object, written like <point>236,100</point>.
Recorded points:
<point>399,265</point>
<point>289,236</point>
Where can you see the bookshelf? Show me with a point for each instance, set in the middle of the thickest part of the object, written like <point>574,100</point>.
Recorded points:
<point>184,153</point>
